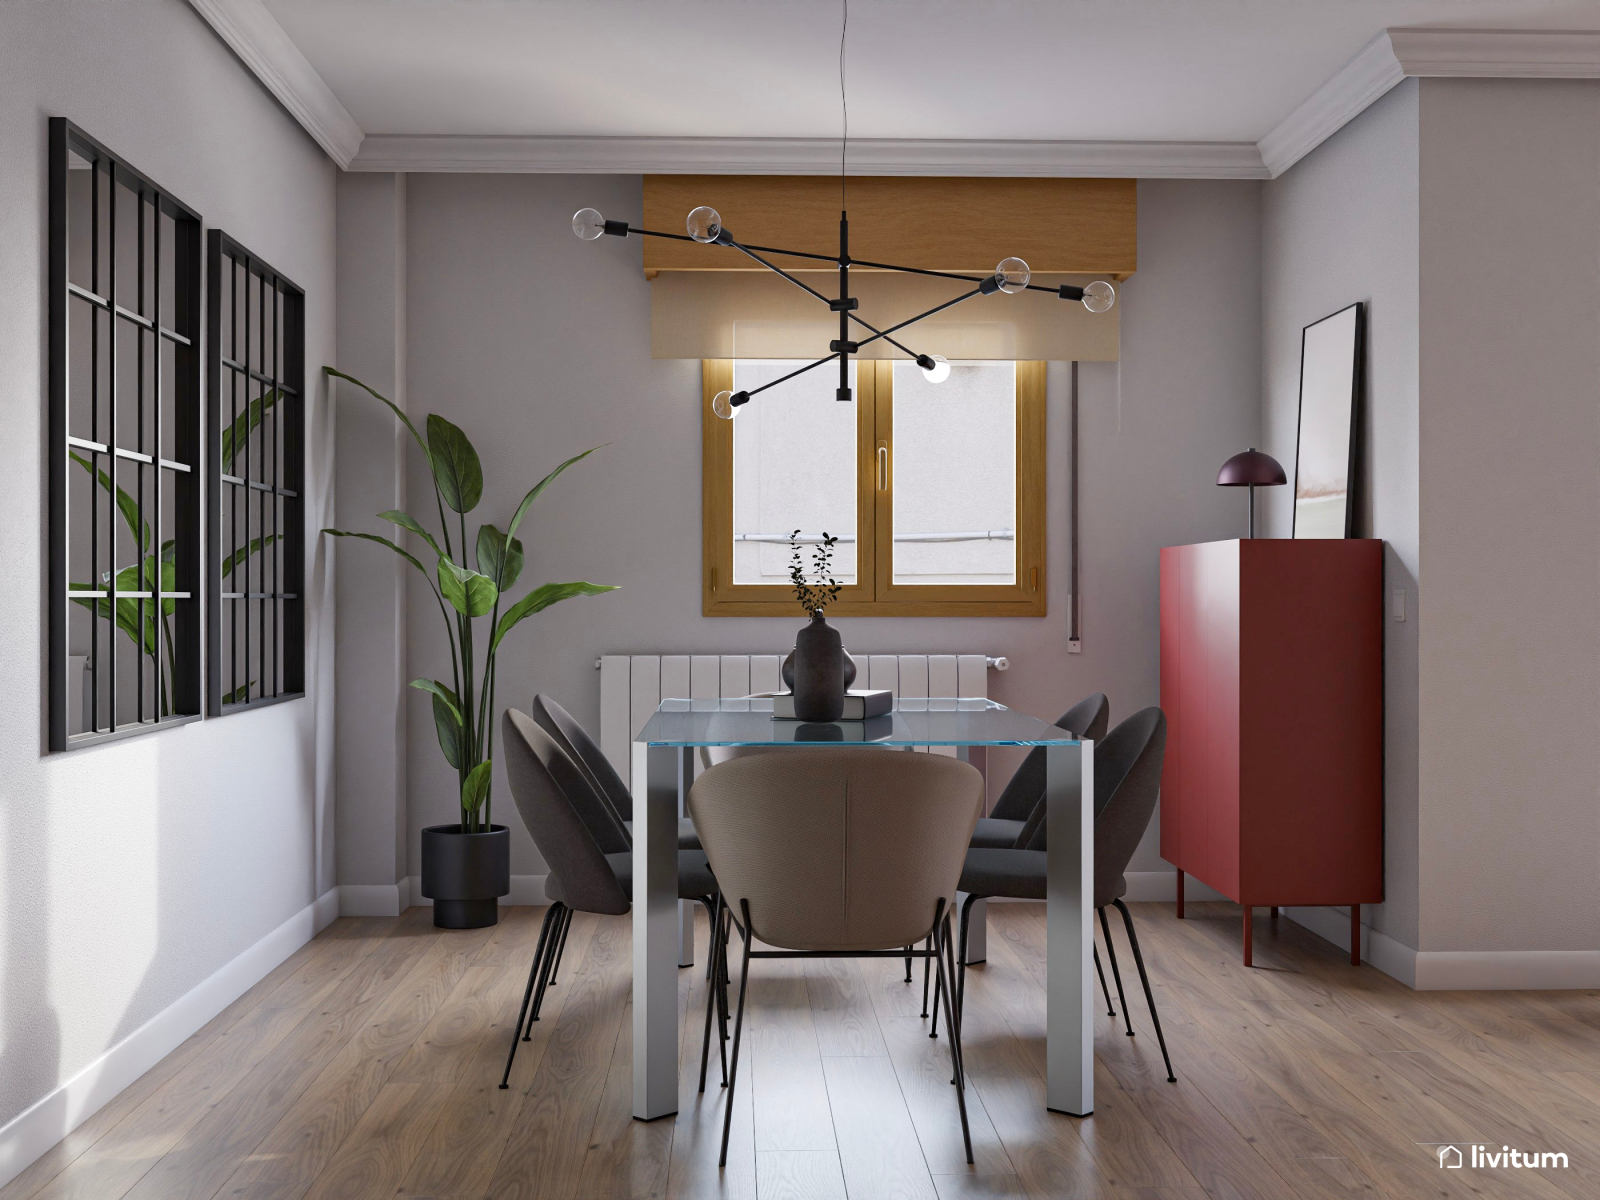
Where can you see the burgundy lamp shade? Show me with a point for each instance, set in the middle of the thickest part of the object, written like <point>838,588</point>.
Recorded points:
<point>1251,468</point>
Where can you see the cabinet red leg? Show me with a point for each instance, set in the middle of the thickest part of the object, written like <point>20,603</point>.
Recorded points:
<point>1355,935</point>
<point>1180,895</point>
<point>1273,912</point>
<point>1247,932</point>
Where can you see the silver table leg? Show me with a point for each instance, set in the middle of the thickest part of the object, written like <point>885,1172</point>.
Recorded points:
<point>656,931</point>
<point>977,944</point>
<point>1069,906</point>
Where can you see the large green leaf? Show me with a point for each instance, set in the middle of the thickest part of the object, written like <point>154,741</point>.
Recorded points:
<point>497,560</point>
<point>534,492</point>
<point>476,786</point>
<point>126,504</point>
<point>239,694</point>
<point>540,599</point>
<point>237,434</point>
<point>471,593</point>
<point>455,465</point>
<point>447,719</point>
<point>407,521</point>
<point>382,541</point>
<point>230,561</point>
<point>393,407</point>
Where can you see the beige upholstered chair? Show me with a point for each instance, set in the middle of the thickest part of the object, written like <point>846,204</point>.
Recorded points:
<point>834,852</point>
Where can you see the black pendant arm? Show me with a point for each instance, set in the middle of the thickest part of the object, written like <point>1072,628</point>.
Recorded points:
<point>921,316</point>
<point>799,283</point>
<point>877,266</point>
<point>674,237</point>
<point>785,378</point>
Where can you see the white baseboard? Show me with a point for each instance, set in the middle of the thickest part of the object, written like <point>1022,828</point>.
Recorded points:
<point>391,899</point>
<point>34,1130</point>
<point>1393,958</point>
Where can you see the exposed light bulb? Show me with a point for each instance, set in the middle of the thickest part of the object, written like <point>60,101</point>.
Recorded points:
<point>1012,275</point>
<point>1099,296</point>
<point>588,224</point>
<point>722,405</point>
<point>704,224</point>
<point>939,371</point>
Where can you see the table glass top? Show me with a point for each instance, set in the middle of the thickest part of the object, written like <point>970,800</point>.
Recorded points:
<point>931,722</point>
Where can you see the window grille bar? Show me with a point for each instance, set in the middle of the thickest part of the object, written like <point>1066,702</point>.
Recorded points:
<point>138,467</point>
<point>94,429</point>
<point>158,622</point>
<point>277,408</point>
<point>111,440</point>
<point>233,508</point>
<point>257,376</point>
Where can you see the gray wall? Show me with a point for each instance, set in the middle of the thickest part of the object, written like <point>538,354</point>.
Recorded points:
<point>130,872</point>
<point>1341,226</point>
<point>538,345</point>
<point>1510,452</point>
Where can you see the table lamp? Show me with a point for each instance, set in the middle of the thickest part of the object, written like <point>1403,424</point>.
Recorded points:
<point>1251,469</point>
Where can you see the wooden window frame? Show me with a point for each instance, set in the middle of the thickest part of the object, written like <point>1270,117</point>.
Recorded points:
<point>875,594</point>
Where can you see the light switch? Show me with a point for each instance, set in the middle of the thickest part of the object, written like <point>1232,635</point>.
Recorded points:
<point>1397,606</point>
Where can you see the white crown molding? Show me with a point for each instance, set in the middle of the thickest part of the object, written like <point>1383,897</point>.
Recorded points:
<point>1499,53</point>
<point>1355,86</point>
<point>1397,53</point>
<point>808,156</point>
<point>253,34</point>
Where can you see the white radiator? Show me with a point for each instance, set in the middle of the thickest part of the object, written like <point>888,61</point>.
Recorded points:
<point>631,686</point>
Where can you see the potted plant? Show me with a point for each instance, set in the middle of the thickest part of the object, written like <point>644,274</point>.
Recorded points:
<point>466,866</point>
<point>820,673</point>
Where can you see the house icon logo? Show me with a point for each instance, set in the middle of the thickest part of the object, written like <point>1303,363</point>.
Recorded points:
<point>1449,1156</point>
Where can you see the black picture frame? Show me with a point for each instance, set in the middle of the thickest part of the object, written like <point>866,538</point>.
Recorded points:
<point>1327,458</point>
<point>92,321</point>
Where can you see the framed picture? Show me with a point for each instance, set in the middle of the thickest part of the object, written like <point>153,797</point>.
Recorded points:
<point>1331,371</point>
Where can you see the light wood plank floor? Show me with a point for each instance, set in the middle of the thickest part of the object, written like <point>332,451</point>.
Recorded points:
<point>366,1065</point>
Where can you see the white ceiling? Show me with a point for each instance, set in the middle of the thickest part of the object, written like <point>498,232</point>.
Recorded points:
<point>1079,70</point>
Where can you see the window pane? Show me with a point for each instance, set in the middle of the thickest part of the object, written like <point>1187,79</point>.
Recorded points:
<point>955,475</point>
<point>794,467</point>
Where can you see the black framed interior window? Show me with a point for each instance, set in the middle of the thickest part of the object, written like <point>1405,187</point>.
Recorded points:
<point>255,416</point>
<point>124,417</point>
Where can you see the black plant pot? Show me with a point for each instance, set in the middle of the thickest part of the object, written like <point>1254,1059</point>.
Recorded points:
<point>819,660</point>
<point>464,874</point>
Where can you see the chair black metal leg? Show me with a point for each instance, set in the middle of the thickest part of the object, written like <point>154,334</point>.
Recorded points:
<point>1111,952</point>
<point>560,948</point>
<point>1104,990</point>
<point>527,992</point>
<point>961,978</point>
<point>926,969</point>
<point>949,961</point>
<point>1144,978</point>
<point>945,950</point>
<point>722,992</point>
<point>544,974</point>
<point>711,989</point>
<point>738,1030</point>
<point>908,964</point>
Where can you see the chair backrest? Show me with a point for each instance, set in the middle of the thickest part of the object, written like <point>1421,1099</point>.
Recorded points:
<point>540,774</point>
<point>1088,719</point>
<point>582,749</point>
<point>835,849</point>
<point>1134,752</point>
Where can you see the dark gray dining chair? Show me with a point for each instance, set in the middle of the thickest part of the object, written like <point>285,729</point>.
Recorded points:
<point>1024,795</point>
<point>591,862</point>
<point>572,737</point>
<point>1127,783</point>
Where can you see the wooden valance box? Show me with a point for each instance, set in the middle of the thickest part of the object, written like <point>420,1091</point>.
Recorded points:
<point>1070,226</point>
<point>1272,682</point>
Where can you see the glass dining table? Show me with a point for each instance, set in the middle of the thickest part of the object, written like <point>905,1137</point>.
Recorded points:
<point>679,728</point>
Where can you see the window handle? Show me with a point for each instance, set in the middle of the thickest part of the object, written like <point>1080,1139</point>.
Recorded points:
<point>883,468</point>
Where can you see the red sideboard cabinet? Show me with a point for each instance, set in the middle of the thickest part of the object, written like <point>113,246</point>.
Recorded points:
<point>1272,682</point>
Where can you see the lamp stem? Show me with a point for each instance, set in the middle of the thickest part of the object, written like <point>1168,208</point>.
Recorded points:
<point>1252,512</point>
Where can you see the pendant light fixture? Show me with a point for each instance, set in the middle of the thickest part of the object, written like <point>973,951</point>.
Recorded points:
<point>704,225</point>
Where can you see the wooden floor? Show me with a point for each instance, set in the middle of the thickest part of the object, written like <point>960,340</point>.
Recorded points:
<point>366,1065</point>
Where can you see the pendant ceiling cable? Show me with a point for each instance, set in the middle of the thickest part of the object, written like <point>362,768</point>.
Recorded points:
<point>705,225</point>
